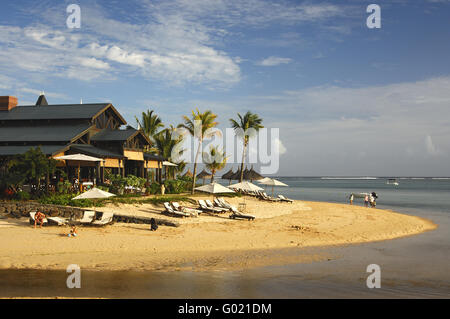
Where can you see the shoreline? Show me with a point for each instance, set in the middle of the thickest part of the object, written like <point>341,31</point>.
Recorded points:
<point>207,243</point>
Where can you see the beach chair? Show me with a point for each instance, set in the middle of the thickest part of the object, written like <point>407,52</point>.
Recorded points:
<point>107,218</point>
<point>209,204</point>
<point>205,207</point>
<point>268,198</point>
<point>88,217</point>
<point>220,204</point>
<point>174,212</point>
<point>191,211</point>
<point>32,214</point>
<point>57,220</point>
<point>284,199</point>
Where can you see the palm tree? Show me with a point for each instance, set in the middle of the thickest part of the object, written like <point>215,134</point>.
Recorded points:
<point>150,124</point>
<point>215,160</point>
<point>245,128</point>
<point>200,126</point>
<point>165,143</point>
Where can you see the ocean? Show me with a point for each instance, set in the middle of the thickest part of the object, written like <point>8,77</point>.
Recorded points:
<point>411,267</point>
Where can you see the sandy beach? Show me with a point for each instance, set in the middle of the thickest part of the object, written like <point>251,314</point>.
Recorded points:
<point>281,234</point>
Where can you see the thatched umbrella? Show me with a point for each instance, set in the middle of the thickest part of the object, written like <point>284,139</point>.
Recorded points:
<point>228,175</point>
<point>188,173</point>
<point>252,175</point>
<point>203,175</point>
<point>236,176</point>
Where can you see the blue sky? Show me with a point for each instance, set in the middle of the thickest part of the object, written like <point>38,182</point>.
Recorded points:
<point>348,100</point>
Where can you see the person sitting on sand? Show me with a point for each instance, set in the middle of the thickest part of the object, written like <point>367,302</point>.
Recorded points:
<point>73,232</point>
<point>153,225</point>
<point>39,218</point>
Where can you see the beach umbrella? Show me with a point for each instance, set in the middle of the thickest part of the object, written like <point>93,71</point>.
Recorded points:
<point>236,176</point>
<point>252,175</point>
<point>94,193</point>
<point>204,174</point>
<point>214,188</point>
<point>228,175</point>
<point>265,179</point>
<point>79,158</point>
<point>166,163</point>
<point>246,186</point>
<point>273,182</point>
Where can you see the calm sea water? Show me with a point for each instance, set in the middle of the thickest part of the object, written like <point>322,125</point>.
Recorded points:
<point>417,266</point>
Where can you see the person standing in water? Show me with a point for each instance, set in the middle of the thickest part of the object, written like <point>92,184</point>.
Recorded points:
<point>366,200</point>
<point>351,199</point>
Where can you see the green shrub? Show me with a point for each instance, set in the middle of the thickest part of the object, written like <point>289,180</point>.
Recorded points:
<point>22,196</point>
<point>66,200</point>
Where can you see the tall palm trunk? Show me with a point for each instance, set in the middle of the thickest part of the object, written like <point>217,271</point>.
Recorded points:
<point>243,160</point>
<point>195,165</point>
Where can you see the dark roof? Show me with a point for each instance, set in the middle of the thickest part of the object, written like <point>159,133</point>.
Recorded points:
<point>56,112</point>
<point>41,100</point>
<point>94,151</point>
<point>153,157</point>
<point>46,149</point>
<point>114,135</point>
<point>42,133</point>
<point>204,174</point>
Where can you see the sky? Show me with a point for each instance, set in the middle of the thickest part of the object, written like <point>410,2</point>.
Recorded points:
<point>348,100</point>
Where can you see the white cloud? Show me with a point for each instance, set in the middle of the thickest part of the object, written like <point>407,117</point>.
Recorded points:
<point>274,61</point>
<point>430,147</point>
<point>94,63</point>
<point>281,148</point>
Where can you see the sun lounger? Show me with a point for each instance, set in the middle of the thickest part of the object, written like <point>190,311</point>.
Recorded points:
<point>209,204</point>
<point>268,198</point>
<point>32,214</point>
<point>192,211</point>
<point>88,217</point>
<point>284,199</point>
<point>174,212</point>
<point>220,204</point>
<point>57,220</point>
<point>235,215</point>
<point>107,218</point>
<point>205,207</point>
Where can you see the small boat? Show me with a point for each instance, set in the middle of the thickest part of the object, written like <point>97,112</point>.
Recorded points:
<point>392,181</point>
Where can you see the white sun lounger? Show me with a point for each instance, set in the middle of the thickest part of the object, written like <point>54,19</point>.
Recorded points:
<point>57,220</point>
<point>205,207</point>
<point>209,204</point>
<point>172,211</point>
<point>284,199</point>
<point>235,212</point>
<point>193,212</point>
<point>88,217</point>
<point>107,218</point>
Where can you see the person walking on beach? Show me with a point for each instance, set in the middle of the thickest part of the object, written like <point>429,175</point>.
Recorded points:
<point>351,199</point>
<point>153,225</point>
<point>366,200</point>
<point>39,218</point>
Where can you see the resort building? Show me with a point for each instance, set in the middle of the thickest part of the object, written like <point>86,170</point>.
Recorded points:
<point>89,129</point>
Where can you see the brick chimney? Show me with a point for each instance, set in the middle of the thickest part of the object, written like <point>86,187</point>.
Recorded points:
<point>7,103</point>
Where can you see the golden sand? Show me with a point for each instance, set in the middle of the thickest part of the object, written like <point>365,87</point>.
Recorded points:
<point>280,234</point>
